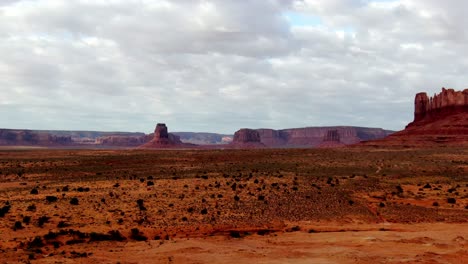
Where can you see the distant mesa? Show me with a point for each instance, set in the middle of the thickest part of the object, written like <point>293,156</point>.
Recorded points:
<point>441,119</point>
<point>247,138</point>
<point>331,140</point>
<point>307,137</point>
<point>312,137</point>
<point>13,137</point>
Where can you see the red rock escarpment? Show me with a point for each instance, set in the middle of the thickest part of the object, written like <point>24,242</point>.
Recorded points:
<point>122,141</point>
<point>246,138</point>
<point>448,102</point>
<point>12,137</point>
<point>314,136</point>
<point>441,119</point>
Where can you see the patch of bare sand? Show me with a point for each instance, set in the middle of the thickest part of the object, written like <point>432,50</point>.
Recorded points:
<point>382,243</point>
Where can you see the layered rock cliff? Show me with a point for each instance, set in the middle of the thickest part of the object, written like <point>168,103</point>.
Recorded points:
<point>446,103</point>
<point>246,138</point>
<point>308,136</point>
<point>441,119</point>
<point>12,137</point>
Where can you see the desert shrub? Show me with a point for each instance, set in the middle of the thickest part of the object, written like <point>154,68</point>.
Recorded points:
<point>149,183</point>
<point>17,225</point>
<point>141,205</point>
<point>451,200</point>
<point>36,242</point>
<point>62,224</point>
<point>27,220</point>
<point>65,189</point>
<point>399,189</point>
<point>204,211</point>
<point>42,220</point>
<point>234,234</point>
<point>113,235</point>
<point>263,232</point>
<point>4,210</point>
<point>51,235</point>
<point>34,191</point>
<point>435,204</point>
<point>74,201</point>
<point>31,208</point>
<point>236,198</point>
<point>135,234</point>
<point>51,199</point>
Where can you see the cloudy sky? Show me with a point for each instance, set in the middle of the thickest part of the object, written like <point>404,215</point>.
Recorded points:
<point>221,65</point>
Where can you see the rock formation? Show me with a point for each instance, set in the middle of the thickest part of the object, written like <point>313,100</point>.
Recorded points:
<point>246,138</point>
<point>446,103</point>
<point>314,136</point>
<point>331,140</point>
<point>441,119</point>
<point>121,141</point>
<point>13,137</point>
<point>163,139</point>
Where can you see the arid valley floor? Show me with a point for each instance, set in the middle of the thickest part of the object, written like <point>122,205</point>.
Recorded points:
<point>345,205</point>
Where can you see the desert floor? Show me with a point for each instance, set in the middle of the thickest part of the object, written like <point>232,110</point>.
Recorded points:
<point>348,205</point>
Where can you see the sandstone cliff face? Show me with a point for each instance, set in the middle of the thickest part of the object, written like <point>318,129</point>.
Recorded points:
<point>12,137</point>
<point>246,138</point>
<point>332,139</point>
<point>441,119</point>
<point>446,103</point>
<point>308,136</point>
<point>122,141</point>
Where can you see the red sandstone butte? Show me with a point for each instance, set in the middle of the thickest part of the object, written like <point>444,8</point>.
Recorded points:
<point>163,139</point>
<point>441,119</point>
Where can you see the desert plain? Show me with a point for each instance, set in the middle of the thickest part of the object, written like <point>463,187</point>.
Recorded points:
<point>361,204</point>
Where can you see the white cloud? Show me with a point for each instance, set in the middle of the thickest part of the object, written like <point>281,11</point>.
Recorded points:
<point>221,65</point>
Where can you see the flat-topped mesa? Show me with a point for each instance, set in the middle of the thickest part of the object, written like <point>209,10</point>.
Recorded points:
<point>448,102</point>
<point>246,138</point>
<point>332,135</point>
<point>246,135</point>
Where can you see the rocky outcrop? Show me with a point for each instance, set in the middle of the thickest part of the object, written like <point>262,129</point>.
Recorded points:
<point>314,136</point>
<point>163,139</point>
<point>331,139</point>
<point>122,141</point>
<point>441,119</point>
<point>247,138</point>
<point>12,137</point>
<point>446,103</point>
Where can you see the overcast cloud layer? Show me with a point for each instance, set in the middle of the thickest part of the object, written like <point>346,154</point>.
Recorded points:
<point>221,65</point>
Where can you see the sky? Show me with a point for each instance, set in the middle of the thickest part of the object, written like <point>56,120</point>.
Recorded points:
<point>217,66</point>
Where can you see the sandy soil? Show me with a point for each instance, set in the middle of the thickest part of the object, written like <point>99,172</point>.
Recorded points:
<point>368,205</point>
